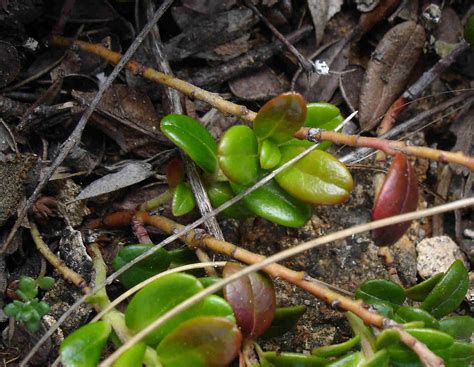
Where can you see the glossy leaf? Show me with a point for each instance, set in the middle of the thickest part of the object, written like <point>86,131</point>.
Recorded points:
<point>398,195</point>
<point>183,200</point>
<point>379,359</point>
<point>132,357</point>
<point>182,256</point>
<point>460,354</point>
<point>274,204</point>
<point>419,291</point>
<point>408,314</point>
<point>253,300</point>
<point>448,294</point>
<point>350,360</point>
<point>270,155</point>
<point>336,349</point>
<point>317,178</point>
<point>208,281</point>
<point>280,118</point>
<point>201,342</point>
<point>219,193</point>
<point>238,155</point>
<point>382,308</point>
<point>459,327</point>
<point>82,348</point>
<point>284,320</point>
<point>156,263</point>
<point>294,360</point>
<point>381,290</point>
<point>193,138</point>
<point>386,338</point>
<point>162,295</point>
<point>174,172</point>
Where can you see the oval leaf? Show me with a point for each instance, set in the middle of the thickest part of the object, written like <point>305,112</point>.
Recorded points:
<point>381,291</point>
<point>317,178</point>
<point>156,263</point>
<point>294,360</point>
<point>280,118</point>
<point>219,193</point>
<point>183,200</point>
<point>448,294</point>
<point>238,155</point>
<point>387,338</point>
<point>351,360</point>
<point>270,155</point>
<point>274,204</point>
<point>407,314</point>
<point>253,300</point>
<point>459,327</point>
<point>201,342</point>
<point>379,359</point>
<point>162,295</point>
<point>132,357</point>
<point>421,290</point>
<point>398,195</point>
<point>83,347</point>
<point>459,354</point>
<point>193,138</point>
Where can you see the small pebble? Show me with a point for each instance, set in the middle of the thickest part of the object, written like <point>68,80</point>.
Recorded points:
<point>436,254</point>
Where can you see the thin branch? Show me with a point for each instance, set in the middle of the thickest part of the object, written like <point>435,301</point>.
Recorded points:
<point>67,273</point>
<point>326,295</point>
<point>75,136</point>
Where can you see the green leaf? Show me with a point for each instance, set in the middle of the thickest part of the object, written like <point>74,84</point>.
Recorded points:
<point>381,290</point>
<point>132,357</point>
<point>350,360</point>
<point>386,338</point>
<point>359,328</point>
<point>201,342</point>
<point>28,286</point>
<point>421,290</point>
<point>469,31</point>
<point>280,118</point>
<point>156,263</point>
<point>162,295</point>
<point>12,309</point>
<point>379,359</point>
<point>460,354</point>
<point>336,349</point>
<point>183,200</point>
<point>274,204</point>
<point>459,327</point>
<point>182,256</point>
<point>284,320</point>
<point>193,138</point>
<point>317,178</point>
<point>383,308</point>
<point>448,294</point>
<point>45,283</point>
<point>252,298</point>
<point>33,325</point>
<point>270,155</point>
<point>219,193</point>
<point>42,308</point>
<point>294,360</point>
<point>408,314</point>
<point>83,347</point>
<point>238,155</point>
<point>208,281</point>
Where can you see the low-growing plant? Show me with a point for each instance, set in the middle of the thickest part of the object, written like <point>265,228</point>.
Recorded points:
<point>28,308</point>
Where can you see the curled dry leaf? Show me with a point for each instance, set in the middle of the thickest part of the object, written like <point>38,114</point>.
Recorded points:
<point>321,12</point>
<point>389,70</point>
<point>398,195</point>
<point>253,300</point>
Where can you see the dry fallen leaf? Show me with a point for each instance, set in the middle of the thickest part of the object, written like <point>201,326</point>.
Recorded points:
<point>321,11</point>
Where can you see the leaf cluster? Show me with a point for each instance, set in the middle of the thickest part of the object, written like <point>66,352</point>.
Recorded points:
<point>28,308</point>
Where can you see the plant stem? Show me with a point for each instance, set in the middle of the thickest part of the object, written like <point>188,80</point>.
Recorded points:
<point>226,107</point>
<point>68,274</point>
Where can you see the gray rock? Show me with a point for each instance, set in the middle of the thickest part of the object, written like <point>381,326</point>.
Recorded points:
<point>436,254</point>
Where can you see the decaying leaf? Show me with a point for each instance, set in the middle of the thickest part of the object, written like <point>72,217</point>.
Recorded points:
<point>464,131</point>
<point>129,175</point>
<point>350,83</point>
<point>9,63</point>
<point>389,70</point>
<point>321,12</point>
<point>398,195</point>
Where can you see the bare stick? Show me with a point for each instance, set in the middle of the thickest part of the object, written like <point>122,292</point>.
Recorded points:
<point>75,136</point>
<point>368,317</point>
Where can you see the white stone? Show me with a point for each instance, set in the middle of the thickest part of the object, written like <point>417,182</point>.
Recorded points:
<point>436,254</point>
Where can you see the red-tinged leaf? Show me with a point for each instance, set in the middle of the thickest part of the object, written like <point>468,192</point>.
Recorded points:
<point>253,300</point>
<point>398,195</point>
<point>174,172</point>
<point>201,342</point>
